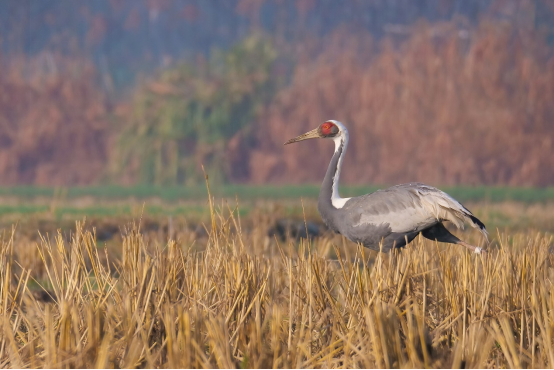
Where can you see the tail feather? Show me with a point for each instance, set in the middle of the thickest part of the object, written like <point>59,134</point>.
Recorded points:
<point>458,216</point>
<point>446,208</point>
<point>477,222</point>
<point>480,225</point>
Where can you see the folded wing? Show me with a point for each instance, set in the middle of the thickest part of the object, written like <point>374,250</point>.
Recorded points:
<point>410,207</point>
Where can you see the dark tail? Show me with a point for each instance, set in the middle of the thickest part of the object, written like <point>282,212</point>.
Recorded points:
<point>481,225</point>
<point>477,222</point>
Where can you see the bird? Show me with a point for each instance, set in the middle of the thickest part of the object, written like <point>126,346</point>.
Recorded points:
<point>389,218</point>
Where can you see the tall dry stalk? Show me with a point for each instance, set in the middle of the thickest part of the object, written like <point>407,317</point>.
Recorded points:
<point>230,305</point>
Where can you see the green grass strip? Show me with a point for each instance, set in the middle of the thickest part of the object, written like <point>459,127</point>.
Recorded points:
<point>250,192</point>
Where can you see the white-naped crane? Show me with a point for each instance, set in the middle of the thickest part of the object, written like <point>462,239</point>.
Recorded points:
<point>388,218</point>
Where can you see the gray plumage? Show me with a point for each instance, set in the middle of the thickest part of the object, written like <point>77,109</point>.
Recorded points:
<point>388,218</point>
<point>395,216</point>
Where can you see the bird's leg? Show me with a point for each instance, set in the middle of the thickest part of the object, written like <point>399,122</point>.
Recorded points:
<point>472,248</point>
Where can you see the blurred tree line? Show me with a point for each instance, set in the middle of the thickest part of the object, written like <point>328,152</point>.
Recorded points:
<point>126,38</point>
<point>450,92</point>
<point>184,118</point>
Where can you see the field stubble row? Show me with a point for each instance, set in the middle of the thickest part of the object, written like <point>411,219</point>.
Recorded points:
<point>236,297</point>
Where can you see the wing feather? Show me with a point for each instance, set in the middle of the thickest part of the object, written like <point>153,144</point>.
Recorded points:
<point>412,207</point>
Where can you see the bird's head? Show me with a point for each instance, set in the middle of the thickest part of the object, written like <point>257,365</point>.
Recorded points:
<point>327,130</point>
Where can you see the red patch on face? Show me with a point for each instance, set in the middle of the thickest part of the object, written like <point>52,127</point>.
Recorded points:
<point>326,128</point>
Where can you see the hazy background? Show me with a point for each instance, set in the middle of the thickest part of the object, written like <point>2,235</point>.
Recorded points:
<point>144,92</point>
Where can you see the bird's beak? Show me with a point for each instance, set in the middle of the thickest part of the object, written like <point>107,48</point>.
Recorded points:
<point>314,134</point>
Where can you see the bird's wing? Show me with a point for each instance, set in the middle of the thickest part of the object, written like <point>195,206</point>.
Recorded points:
<point>410,207</point>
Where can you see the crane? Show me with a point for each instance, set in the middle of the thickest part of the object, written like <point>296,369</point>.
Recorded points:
<point>389,218</point>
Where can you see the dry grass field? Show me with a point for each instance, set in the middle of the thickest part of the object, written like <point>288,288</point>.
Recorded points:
<point>232,296</point>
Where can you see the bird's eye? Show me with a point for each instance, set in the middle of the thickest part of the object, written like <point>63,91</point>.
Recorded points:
<point>329,129</point>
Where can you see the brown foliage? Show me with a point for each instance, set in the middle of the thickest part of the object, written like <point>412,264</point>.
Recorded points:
<point>53,124</point>
<point>444,106</point>
<point>437,104</point>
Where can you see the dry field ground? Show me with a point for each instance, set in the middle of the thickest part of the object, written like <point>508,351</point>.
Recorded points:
<point>218,290</point>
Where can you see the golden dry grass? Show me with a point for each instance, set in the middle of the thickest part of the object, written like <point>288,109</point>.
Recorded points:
<point>238,298</point>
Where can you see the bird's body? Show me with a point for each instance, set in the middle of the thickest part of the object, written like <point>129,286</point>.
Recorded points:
<point>388,218</point>
<point>393,217</point>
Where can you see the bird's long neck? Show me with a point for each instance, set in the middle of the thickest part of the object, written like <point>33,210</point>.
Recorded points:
<point>329,193</point>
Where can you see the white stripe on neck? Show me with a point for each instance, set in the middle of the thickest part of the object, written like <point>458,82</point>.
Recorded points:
<point>342,139</point>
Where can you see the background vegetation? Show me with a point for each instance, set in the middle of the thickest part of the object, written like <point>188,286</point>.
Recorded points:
<point>451,93</point>
<point>187,116</point>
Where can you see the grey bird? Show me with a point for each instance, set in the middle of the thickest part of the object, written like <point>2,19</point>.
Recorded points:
<point>389,218</point>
